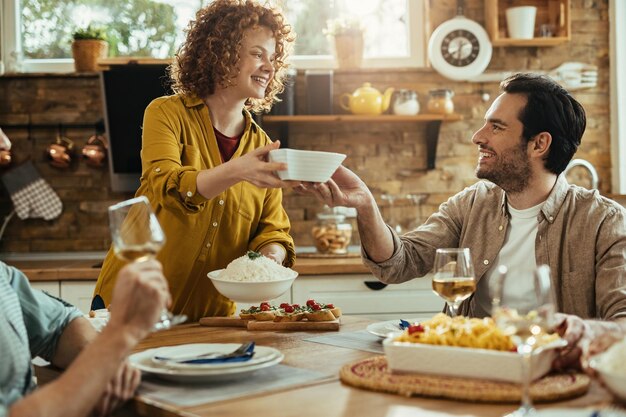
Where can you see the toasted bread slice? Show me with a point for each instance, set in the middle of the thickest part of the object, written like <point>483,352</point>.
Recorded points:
<point>336,312</point>
<point>289,317</point>
<point>246,316</point>
<point>264,316</point>
<point>320,315</point>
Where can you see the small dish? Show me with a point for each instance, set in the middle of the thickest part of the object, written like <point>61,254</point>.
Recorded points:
<point>614,381</point>
<point>310,166</point>
<point>383,328</point>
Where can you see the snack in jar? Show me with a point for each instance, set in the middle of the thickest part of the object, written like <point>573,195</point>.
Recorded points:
<point>440,101</point>
<point>332,233</point>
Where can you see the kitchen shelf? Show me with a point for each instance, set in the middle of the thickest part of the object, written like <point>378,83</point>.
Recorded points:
<point>433,124</point>
<point>553,12</point>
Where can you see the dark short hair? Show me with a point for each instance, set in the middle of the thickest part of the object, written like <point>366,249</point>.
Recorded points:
<point>210,54</point>
<point>549,108</point>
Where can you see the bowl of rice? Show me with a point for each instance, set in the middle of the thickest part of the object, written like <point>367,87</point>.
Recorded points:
<point>611,366</point>
<point>253,278</point>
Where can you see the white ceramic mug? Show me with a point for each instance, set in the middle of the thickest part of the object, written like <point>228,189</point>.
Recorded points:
<point>521,22</point>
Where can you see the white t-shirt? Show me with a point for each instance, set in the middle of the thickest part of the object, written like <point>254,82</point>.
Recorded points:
<point>517,254</point>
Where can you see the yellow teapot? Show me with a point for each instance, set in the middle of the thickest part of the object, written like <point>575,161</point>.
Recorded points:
<point>366,100</point>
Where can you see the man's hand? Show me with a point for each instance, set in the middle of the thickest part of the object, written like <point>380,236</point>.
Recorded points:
<point>119,390</point>
<point>140,294</point>
<point>344,188</point>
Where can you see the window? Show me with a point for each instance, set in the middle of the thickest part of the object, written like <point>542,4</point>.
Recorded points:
<point>36,34</point>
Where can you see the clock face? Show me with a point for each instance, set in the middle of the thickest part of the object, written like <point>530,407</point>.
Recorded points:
<point>460,48</point>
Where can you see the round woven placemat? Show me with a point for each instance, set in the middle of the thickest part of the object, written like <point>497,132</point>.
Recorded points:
<point>372,374</point>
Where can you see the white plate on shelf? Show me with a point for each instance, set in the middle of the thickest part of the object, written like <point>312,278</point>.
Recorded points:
<point>262,354</point>
<point>383,328</point>
<point>143,362</point>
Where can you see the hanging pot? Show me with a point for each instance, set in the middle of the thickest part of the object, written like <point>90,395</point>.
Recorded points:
<point>5,150</point>
<point>95,151</point>
<point>60,154</point>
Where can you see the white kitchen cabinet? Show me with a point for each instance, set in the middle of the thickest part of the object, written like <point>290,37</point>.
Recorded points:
<point>78,293</point>
<point>363,294</point>
<point>51,287</point>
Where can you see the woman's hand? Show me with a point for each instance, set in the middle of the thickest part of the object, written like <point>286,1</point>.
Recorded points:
<point>255,168</point>
<point>274,251</point>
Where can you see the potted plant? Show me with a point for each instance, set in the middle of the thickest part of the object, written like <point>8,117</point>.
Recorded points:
<point>89,44</point>
<point>347,36</point>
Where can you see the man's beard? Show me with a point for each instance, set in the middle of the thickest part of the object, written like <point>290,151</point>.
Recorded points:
<point>511,172</point>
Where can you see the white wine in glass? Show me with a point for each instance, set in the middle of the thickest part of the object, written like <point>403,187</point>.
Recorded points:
<point>454,279</point>
<point>524,318</point>
<point>137,236</point>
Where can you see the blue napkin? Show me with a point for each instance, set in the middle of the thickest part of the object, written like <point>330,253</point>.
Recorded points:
<point>228,359</point>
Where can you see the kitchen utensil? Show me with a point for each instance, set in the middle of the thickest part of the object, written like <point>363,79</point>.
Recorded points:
<point>366,100</point>
<point>571,75</point>
<point>95,151</point>
<point>61,152</point>
<point>5,149</point>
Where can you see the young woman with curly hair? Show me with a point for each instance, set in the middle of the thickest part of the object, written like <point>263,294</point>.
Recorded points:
<point>204,159</point>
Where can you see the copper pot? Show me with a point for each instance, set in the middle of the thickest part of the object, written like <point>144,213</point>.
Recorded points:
<point>60,153</point>
<point>95,151</point>
<point>5,150</point>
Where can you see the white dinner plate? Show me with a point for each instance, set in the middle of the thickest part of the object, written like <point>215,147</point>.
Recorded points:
<point>261,354</point>
<point>577,412</point>
<point>143,362</point>
<point>383,328</point>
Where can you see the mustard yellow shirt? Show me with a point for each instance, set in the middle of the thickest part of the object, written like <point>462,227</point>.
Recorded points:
<point>201,235</point>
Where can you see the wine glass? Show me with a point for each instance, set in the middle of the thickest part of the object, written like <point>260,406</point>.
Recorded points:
<point>524,316</point>
<point>137,236</point>
<point>454,276</point>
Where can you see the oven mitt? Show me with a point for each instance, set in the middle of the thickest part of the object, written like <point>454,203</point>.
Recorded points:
<point>32,196</point>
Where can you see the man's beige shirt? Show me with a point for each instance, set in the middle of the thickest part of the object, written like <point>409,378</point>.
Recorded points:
<point>581,236</point>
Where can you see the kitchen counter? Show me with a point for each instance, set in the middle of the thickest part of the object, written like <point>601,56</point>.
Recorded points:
<point>68,269</point>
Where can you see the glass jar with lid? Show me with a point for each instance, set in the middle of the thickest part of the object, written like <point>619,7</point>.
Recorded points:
<point>332,233</point>
<point>440,101</point>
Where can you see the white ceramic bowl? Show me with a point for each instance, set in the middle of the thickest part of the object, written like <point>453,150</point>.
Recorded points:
<point>312,166</point>
<point>406,357</point>
<point>251,291</point>
<point>614,381</point>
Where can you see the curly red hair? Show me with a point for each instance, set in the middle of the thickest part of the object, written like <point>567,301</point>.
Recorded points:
<point>210,55</point>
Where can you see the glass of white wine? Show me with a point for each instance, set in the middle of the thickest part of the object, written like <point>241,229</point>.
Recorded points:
<point>525,317</point>
<point>454,279</point>
<point>137,236</point>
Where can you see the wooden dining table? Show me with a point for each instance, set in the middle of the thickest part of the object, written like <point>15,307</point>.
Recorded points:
<point>328,397</point>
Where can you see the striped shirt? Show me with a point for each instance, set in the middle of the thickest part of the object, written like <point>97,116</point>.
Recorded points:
<point>31,323</point>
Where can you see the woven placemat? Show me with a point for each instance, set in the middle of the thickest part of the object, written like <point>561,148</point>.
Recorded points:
<point>372,374</point>
<point>328,255</point>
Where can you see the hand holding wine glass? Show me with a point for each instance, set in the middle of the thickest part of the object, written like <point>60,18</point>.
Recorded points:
<point>525,318</point>
<point>454,279</point>
<point>137,236</point>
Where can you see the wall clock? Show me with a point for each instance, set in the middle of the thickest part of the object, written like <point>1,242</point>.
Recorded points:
<point>459,49</point>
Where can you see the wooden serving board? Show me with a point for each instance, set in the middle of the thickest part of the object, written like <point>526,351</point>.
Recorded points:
<point>303,325</point>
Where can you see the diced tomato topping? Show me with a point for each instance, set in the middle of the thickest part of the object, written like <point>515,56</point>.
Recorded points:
<point>296,305</point>
<point>283,305</point>
<point>265,303</point>
<point>310,302</point>
<point>265,307</point>
<point>416,328</point>
<point>288,309</point>
<point>316,307</point>
<point>330,306</point>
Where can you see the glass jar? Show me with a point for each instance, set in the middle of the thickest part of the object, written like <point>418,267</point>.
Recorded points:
<point>405,103</point>
<point>440,101</point>
<point>332,233</point>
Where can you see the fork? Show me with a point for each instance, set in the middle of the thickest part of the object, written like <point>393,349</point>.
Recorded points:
<point>246,350</point>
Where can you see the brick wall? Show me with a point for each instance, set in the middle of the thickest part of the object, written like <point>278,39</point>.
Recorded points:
<point>390,157</point>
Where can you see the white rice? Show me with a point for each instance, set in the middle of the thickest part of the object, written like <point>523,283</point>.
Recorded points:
<point>614,359</point>
<point>255,270</point>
